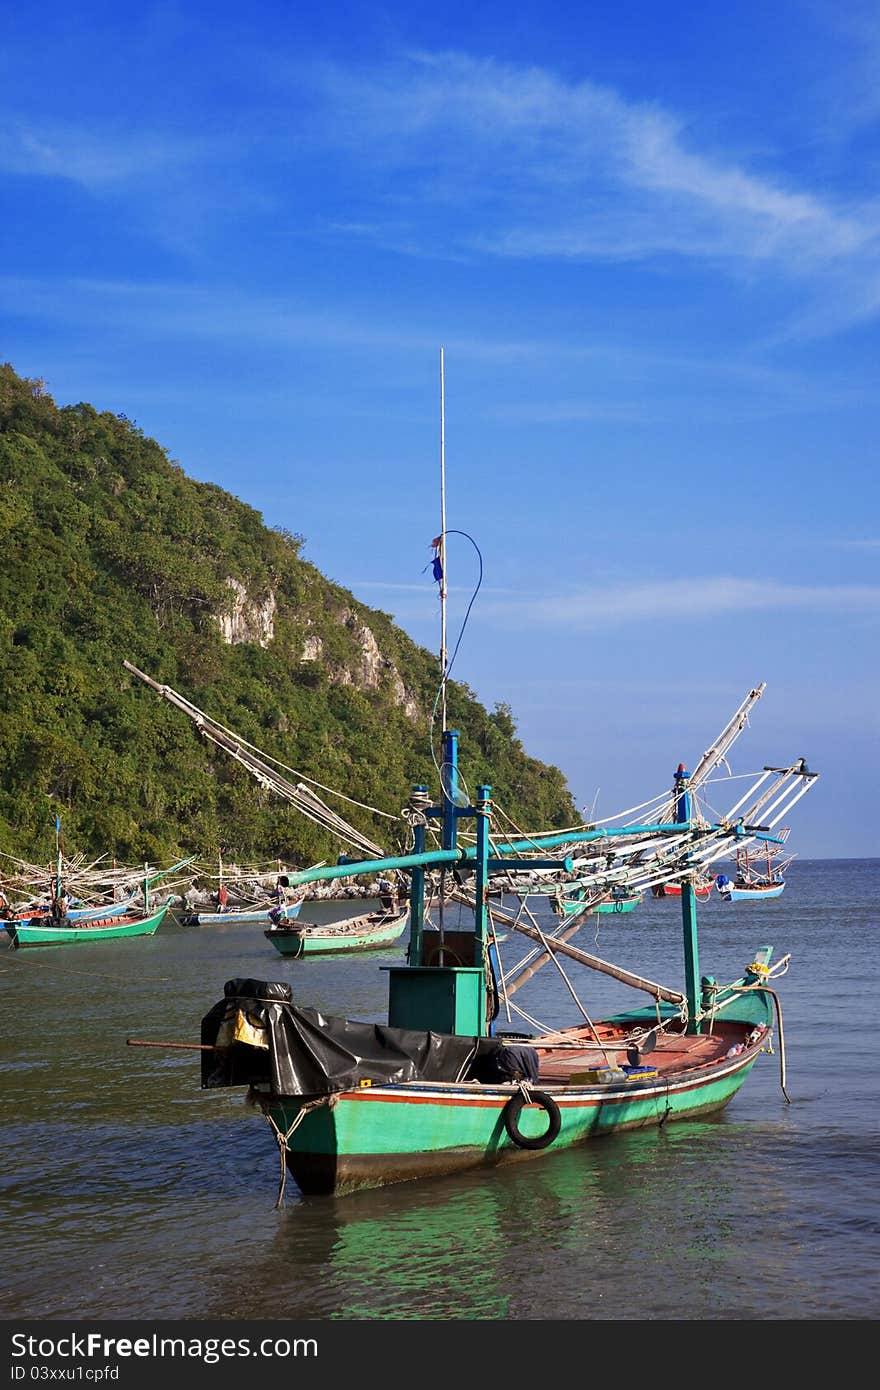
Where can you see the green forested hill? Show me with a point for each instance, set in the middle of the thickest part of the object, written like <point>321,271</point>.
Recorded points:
<point>110,553</point>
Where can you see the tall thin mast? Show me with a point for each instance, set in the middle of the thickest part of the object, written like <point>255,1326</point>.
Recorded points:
<point>442,550</point>
<point>443,653</point>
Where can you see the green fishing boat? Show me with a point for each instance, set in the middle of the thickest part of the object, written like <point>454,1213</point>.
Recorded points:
<point>583,901</point>
<point>437,1088</point>
<point>367,932</point>
<point>111,927</point>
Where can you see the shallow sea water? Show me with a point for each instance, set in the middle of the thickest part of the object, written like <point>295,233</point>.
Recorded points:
<point>129,1193</point>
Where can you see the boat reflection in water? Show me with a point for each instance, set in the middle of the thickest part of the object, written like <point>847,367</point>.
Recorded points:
<point>549,1240</point>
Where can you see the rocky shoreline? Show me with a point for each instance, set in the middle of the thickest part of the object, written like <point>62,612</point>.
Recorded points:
<point>202,899</point>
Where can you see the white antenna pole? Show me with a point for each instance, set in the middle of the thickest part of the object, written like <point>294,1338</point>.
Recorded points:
<point>442,547</point>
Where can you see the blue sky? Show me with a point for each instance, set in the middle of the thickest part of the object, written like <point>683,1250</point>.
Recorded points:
<point>647,239</point>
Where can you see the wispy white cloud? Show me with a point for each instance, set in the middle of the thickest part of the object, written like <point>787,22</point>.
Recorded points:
<point>98,160</point>
<point>425,587</point>
<point>550,167</point>
<point>578,147</point>
<point>625,391</point>
<point>571,170</point>
<point>849,87</point>
<point>456,156</point>
<point>667,602</point>
<point>670,600</point>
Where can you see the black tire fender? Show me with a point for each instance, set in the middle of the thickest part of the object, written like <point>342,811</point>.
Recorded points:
<point>511,1112</point>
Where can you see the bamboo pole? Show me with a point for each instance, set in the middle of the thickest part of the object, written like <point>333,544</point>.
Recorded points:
<point>604,967</point>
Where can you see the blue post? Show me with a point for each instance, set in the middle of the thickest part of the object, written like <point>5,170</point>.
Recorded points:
<point>449,822</point>
<point>449,791</point>
<point>417,893</point>
<point>688,910</point>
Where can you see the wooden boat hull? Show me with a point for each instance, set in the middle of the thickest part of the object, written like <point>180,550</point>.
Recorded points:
<point>385,1134</point>
<point>368,932</point>
<point>733,894</point>
<point>394,1134</point>
<point>74,914</point>
<point>571,907</point>
<point>673,890</point>
<point>112,928</point>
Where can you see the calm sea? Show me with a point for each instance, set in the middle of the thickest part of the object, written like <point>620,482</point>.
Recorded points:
<point>129,1193</point>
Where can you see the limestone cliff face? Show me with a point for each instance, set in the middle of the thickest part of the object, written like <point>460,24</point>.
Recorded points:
<point>313,649</point>
<point>253,620</point>
<point>373,668</point>
<point>250,620</point>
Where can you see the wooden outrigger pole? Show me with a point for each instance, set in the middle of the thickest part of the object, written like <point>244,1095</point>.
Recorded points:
<point>261,767</point>
<point>58,858</point>
<point>479,857</point>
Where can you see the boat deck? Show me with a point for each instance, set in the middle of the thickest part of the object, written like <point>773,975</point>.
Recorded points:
<point>579,1051</point>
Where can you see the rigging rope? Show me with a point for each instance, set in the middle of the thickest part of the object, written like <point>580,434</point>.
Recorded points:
<point>301,796</point>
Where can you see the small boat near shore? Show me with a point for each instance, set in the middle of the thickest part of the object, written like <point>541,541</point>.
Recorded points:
<point>437,1087</point>
<point>64,906</point>
<point>355,1106</point>
<point>365,932</point>
<point>233,916</point>
<point>111,927</point>
<point>78,913</point>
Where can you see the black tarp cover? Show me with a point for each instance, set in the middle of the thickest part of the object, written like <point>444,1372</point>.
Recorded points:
<point>262,1036</point>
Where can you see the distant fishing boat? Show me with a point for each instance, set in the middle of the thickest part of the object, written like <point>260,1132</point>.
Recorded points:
<point>60,907</point>
<point>240,915</point>
<point>756,880</point>
<point>111,927</point>
<point>702,889</point>
<point>618,900</point>
<point>28,916</point>
<point>365,932</point>
<point>736,892</point>
<point>577,899</point>
<point>252,903</point>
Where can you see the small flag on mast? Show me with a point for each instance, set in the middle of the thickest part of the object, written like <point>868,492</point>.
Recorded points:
<point>437,564</point>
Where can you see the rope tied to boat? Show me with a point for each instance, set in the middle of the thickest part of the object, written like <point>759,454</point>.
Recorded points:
<point>668,1111</point>
<point>283,1138</point>
<point>767,1045</point>
<point>769,1040</point>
